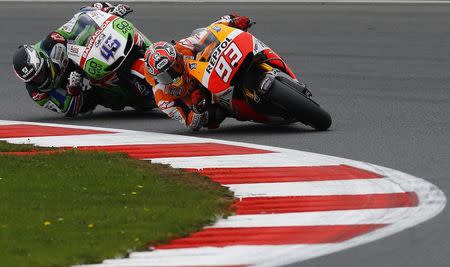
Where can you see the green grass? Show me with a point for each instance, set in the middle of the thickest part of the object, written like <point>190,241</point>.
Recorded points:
<point>7,147</point>
<point>81,207</point>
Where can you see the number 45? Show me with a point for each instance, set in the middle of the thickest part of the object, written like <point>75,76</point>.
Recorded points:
<point>223,68</point>
<point>109,48</point>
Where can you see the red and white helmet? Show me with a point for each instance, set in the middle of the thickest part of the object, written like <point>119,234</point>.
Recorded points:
<point>161,60</point>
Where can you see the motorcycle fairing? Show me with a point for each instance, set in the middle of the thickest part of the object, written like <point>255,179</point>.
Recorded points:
<point>103,51</point>
<point>234,47</point>
<point>217,73</point>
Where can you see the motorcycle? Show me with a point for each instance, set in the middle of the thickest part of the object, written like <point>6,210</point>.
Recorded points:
<point>110,51</point>
<point>251,82</point>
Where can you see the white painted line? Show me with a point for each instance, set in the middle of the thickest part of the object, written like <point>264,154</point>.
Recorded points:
<point>341,217</point>
<point>253,160</point>
<point>320,188</point>
<point>202,256</point>
<point>104,140</point>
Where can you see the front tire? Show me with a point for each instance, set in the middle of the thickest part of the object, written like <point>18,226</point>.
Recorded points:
<point>287,94</point>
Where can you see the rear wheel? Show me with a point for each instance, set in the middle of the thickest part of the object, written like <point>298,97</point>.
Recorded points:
<point>287,94</point>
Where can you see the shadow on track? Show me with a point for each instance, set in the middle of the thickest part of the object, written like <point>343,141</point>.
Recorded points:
<point>130,115</point>
<point>253,129</point>
<point>159,122</point>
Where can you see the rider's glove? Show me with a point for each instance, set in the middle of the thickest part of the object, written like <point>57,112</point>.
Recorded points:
<point>200,101</point>
<point>74,84</point>
<point>120,10</point>
<point>241,22</point>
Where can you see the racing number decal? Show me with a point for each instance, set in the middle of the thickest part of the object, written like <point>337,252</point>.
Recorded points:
<point>109,48</point>
<point>223,68</point>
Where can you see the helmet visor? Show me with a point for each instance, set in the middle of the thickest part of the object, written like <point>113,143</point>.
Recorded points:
<point>169,76</point>
<point>41,76</point>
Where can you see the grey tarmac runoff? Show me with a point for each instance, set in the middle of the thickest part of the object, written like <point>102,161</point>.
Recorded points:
<point>381,70</point>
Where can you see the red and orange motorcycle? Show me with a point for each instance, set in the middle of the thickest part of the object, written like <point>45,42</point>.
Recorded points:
<point>251,82</point>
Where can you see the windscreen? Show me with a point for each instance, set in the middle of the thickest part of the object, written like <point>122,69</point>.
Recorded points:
<point>84,28</point>
<point>206,45</point>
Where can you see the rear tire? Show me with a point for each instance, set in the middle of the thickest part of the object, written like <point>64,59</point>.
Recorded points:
<point>287,94</point>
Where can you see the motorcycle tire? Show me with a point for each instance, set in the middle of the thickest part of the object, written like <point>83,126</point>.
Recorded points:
<point>287,94</point>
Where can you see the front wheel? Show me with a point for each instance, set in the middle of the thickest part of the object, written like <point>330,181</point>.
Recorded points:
<point>287,94</point>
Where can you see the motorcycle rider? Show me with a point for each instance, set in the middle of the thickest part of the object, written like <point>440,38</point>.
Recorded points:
<point>51,79</point>
<point>177,94</point>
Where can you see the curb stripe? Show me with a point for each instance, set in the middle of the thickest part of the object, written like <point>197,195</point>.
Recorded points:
<point>316,188</point>
<point>293,206</point>
<point>149,151</point>
<point>28,130</point>
<point>261,205</point>
<point>221,237</point>
<point>285,174</point>
<point>335,217</point>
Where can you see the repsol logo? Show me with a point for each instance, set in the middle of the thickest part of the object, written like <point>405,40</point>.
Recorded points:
<point>215,55</point>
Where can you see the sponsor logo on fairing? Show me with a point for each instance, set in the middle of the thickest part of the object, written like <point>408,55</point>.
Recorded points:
<point>258,46</point>
<point>95,14</point>
<point>100,39</point>
<point>216,54</point>
<point>216,28</point>
<point>74,50</point>
<point>192,66</point>
<point>98,5</point>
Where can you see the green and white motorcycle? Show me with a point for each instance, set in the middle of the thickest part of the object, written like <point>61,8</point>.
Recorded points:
<point>110,51</point>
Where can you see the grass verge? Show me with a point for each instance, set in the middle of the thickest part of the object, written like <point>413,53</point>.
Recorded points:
<point>75,207</point>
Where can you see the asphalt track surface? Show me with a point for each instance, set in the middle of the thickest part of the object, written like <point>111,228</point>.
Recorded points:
<point>381,70</point>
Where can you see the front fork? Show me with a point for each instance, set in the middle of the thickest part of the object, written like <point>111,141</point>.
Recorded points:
<point>271,74</point>
<point>252,93</point>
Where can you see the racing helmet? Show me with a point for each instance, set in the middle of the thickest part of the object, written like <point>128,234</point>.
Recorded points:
<point>163,63</point>
<point>31,67</point>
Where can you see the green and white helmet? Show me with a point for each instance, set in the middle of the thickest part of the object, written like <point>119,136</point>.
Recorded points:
<point>31,67</point>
